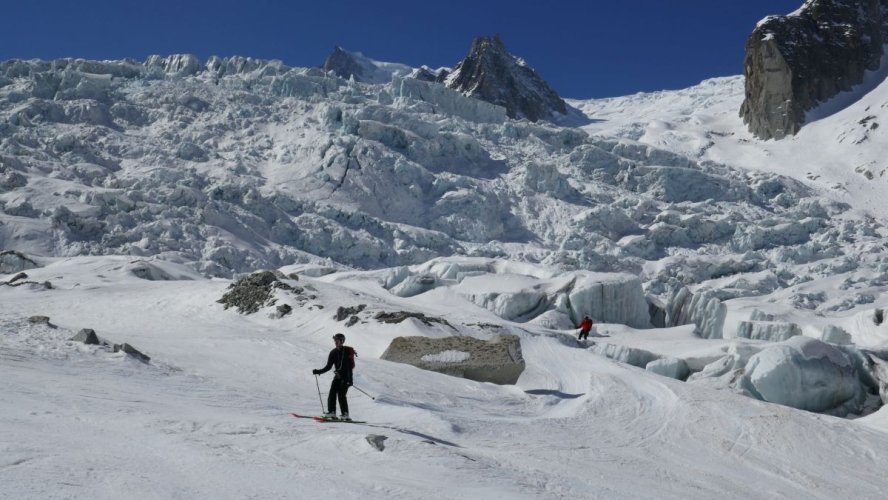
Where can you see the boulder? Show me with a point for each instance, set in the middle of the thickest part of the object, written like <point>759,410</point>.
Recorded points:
<point>87,336</point>
<point>346,312</point>
<point>39,320</point>
<point>282,310</point>
<point>131,351</point>
<point>498,360</point>
<point>377,441</point>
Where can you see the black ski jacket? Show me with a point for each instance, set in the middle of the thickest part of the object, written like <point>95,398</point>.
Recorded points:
<point>340,359</point>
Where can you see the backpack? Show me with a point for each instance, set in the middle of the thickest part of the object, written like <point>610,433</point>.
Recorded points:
<point>352,354</point>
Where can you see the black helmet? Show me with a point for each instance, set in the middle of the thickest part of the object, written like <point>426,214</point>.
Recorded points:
<point>339,336</point>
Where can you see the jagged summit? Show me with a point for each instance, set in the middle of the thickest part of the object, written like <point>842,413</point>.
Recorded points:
<point>343,64</point>
<point>490,73</point>
<point>795,62</point>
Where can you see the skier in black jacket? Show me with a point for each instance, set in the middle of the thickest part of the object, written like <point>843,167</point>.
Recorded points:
<point>342,360</point>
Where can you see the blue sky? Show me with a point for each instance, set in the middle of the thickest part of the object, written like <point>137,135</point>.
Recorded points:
<point>592,48</point>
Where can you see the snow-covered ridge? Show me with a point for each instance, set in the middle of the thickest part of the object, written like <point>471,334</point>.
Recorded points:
<point>355,65</point>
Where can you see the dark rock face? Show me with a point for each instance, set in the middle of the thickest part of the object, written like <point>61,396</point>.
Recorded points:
<point>343,65</point>
<point>425,74</point>
<point>491,74</point>
<point>795,62</point>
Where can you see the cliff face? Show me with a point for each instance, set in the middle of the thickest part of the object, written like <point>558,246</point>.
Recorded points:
<point>797,61</point>
<point>491,74</point>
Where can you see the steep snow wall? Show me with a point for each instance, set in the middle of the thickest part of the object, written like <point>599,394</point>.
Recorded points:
<point>703,309</point>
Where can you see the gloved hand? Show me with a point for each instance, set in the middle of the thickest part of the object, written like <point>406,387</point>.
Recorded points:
<point>315,372</point>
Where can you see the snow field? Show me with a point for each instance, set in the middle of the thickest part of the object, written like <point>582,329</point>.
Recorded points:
<point>209,414</point>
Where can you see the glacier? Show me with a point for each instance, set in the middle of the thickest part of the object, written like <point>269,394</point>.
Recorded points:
<point>737,286</point>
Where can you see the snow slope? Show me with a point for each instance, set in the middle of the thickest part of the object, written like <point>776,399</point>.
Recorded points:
<point>839,151</point>
<point>209,414</point>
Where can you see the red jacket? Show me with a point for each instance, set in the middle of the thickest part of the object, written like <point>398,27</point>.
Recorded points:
<point>586,324</point>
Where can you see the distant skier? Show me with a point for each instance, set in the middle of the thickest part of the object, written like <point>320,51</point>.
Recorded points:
<point>342,360</point>
<point>584,327</point>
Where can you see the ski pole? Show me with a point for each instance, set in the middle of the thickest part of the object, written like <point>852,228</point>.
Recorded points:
<point>369,396</point>
<point>319,393</point>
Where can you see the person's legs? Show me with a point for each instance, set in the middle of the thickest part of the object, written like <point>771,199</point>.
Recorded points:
<point>343,402</point>
<point>331,397</point>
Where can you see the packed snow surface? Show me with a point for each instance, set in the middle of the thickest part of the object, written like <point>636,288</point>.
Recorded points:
<point>209,414</point>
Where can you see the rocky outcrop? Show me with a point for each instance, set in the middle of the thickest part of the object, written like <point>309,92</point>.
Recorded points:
<point>425,74</point>
<point>354,65</point>
<point>12,261</point>
<point>343,64</point>
<point>797,61</point>
<point>256,291</point>
<point>491,74</point>
<point>498,360</point>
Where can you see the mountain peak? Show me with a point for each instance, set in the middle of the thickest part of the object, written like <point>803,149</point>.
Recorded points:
<point>491,74</point>
<point>346,64</point>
